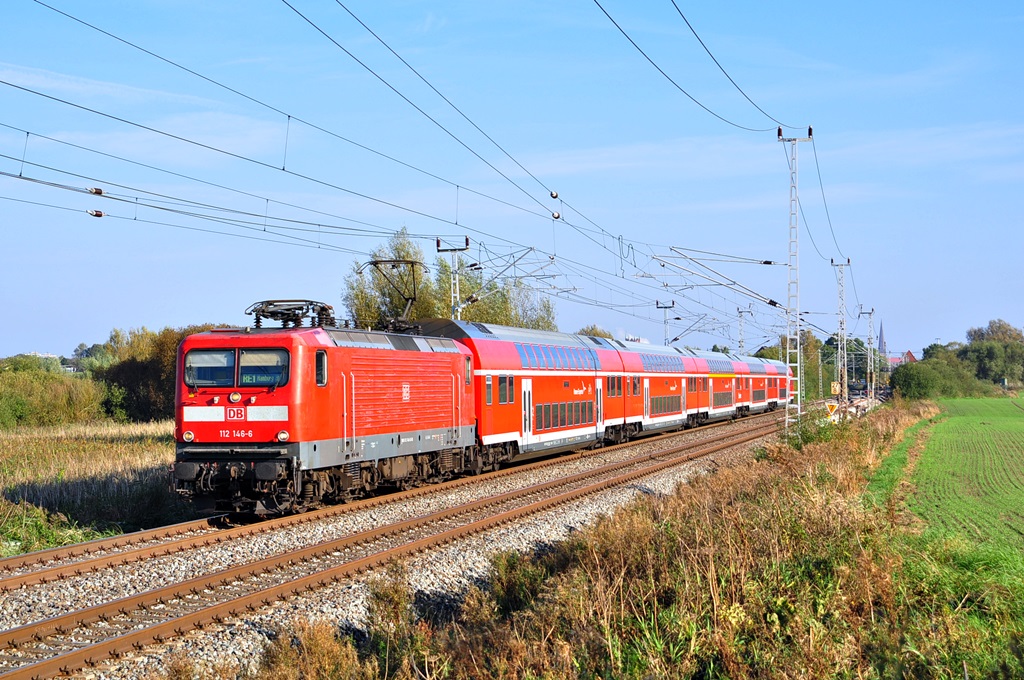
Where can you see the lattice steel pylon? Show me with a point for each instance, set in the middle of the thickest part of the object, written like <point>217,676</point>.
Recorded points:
<point>794,353</point>
<point>871,350</point>
<point>740,312</point>
<point>841,370</point>
<point>455,290</point>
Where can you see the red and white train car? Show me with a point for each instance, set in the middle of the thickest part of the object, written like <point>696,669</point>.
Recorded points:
<point>541,392</point>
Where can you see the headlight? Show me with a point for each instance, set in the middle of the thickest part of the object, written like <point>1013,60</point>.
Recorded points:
<point>234,397</point>
<point>282,436</point>
<point>188,436</point>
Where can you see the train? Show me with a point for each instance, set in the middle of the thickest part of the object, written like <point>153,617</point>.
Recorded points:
<point>274,420</point>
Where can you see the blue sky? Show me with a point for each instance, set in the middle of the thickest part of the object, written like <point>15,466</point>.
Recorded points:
<point>918,138</point>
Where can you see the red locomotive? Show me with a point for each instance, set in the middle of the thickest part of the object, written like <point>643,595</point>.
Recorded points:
<point>272,420</point>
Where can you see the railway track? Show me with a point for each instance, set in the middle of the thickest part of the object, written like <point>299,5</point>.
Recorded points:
<point>77,639</point>
<point>93,556</point>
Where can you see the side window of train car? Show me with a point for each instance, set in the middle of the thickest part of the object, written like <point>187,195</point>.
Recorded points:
<point>502,389</point>
<point>488,389</point>
<point>321,367</point>
<point>469,370</point>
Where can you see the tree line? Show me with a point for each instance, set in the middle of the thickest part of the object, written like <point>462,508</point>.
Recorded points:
<point>128,378</point>
<point>992,357</point>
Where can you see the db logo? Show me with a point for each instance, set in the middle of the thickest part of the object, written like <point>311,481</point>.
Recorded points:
<point>236,413</point>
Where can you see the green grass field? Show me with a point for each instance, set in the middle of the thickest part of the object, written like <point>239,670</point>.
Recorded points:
<point>969,480</point>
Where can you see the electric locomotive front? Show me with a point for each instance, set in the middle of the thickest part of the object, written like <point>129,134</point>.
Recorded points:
<point>238,421</point>
<point>280,420</point>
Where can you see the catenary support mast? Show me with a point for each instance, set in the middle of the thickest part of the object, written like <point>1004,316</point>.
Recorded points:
<point>794,359</point>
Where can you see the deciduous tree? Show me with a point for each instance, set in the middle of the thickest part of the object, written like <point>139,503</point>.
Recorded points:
<point>594,330</point>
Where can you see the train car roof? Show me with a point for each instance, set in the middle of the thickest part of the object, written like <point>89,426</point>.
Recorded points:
<point>715,361</point>
<point>349,337</point>
<point>474,330</point>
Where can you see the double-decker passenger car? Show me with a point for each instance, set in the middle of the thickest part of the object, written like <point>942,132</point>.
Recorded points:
<point>274,420</point>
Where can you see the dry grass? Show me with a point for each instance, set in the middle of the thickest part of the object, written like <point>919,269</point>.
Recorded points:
<point>777,569</point>
<point>108,476</point>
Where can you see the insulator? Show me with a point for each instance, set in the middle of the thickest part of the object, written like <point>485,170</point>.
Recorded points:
<point>554,194</point>
<point>555,215</point>
<point>95,190</point>
<point>96,213</point>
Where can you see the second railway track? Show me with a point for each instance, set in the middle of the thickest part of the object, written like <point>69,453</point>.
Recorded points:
<point>83,637</point>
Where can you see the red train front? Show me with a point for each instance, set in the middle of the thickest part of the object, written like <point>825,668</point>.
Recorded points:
<point>275,420</point>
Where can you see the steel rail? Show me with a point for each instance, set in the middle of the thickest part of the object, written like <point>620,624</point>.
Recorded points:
<point>79,568</point>
<point>9,564</point>
<point>94,653</point>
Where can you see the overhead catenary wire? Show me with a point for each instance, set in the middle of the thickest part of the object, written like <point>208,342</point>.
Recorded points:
<point>413,104</point>
<point>824,202</point>
<point>230,153</point>
<point>726,74</point>
<point>602,231</point>
<point>671,80</point>
<point>309,244</point>
<point>442,96</point>
<point>289,116</point>
<point>253,226</point>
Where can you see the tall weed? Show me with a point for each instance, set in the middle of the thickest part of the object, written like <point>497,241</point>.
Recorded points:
<point>102,477</point>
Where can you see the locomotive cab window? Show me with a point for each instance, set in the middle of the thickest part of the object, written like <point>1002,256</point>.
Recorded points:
<point>262,367</point>
<point>210,368</point>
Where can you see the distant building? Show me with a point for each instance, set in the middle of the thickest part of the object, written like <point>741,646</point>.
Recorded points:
<point>905,358</point>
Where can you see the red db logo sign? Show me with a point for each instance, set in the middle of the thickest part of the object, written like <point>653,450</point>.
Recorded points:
<point>236,413</point>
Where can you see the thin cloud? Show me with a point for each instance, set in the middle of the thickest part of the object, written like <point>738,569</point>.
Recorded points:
<point>76,88</point>
<point>261,140</point>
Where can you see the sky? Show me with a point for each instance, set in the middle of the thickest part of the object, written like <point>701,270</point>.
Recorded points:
<point>262,150</point>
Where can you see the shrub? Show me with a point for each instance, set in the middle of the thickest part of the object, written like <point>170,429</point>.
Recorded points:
<point>36,397</point>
